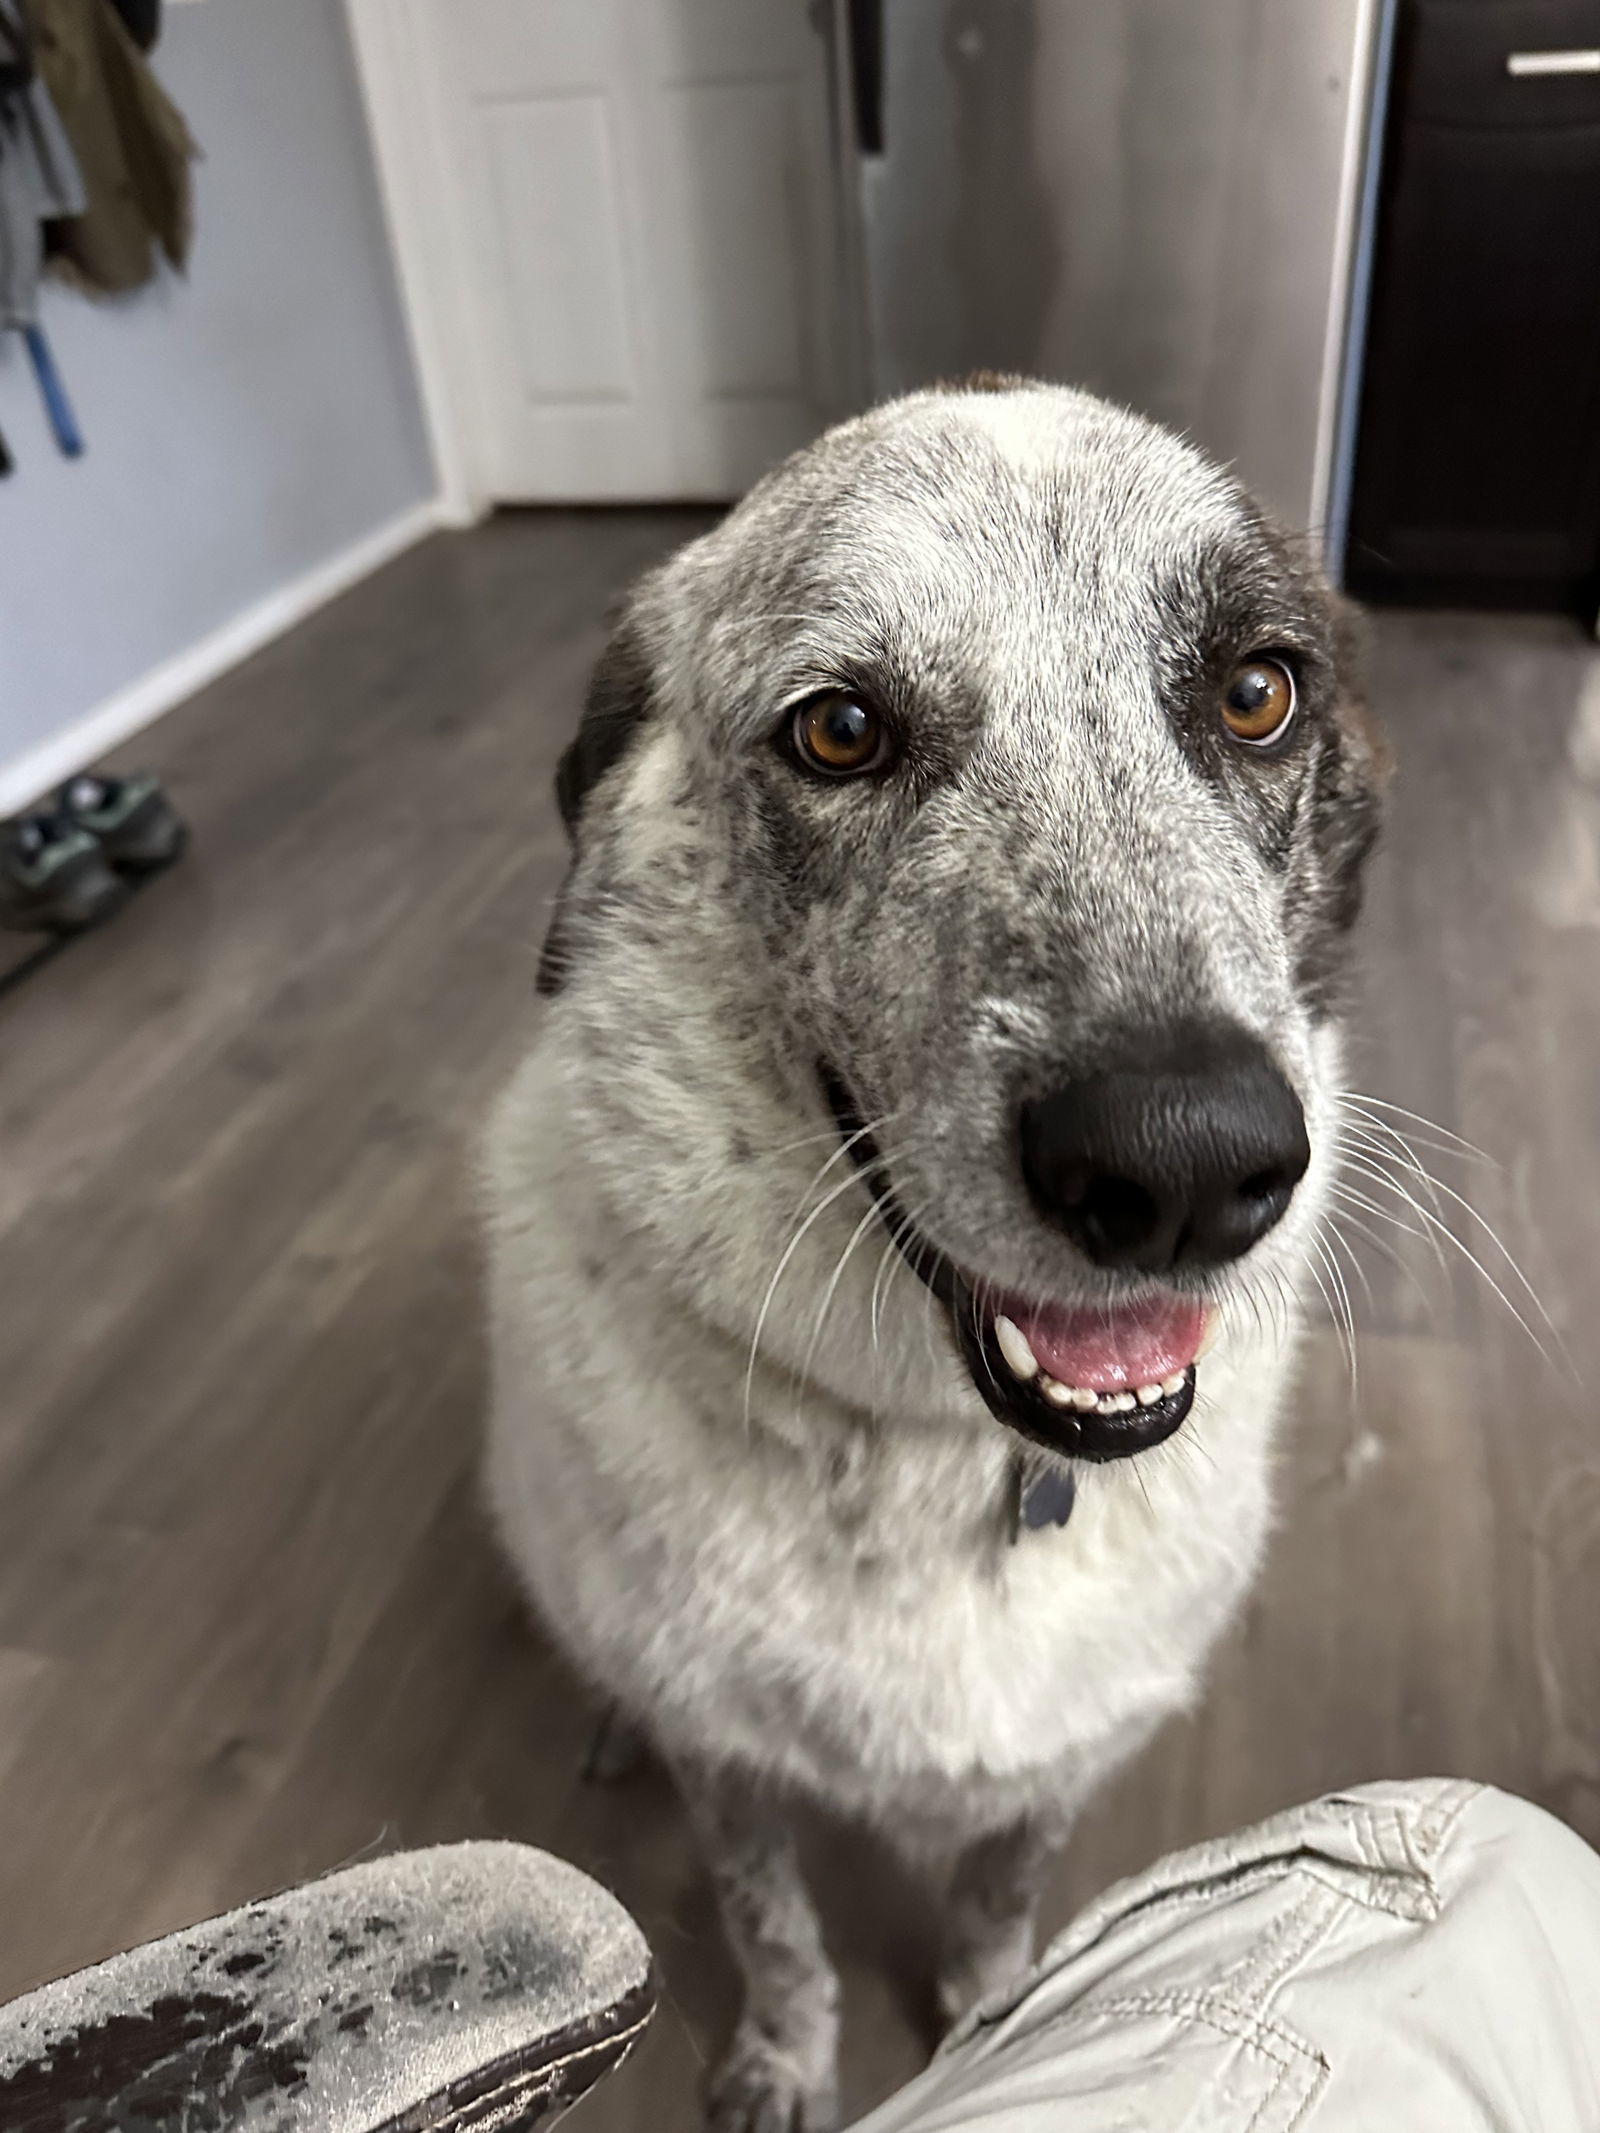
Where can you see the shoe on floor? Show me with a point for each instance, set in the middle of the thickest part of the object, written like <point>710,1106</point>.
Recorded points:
<point>138,827</point>
<point>54,878</point>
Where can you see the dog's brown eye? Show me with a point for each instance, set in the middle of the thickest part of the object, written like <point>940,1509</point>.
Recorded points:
<point>840,735</point>
<point>1258,702</point>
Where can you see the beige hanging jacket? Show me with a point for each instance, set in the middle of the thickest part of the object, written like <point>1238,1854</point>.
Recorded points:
<point>131,142</point>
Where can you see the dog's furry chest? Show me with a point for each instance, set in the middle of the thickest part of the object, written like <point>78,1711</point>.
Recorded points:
<point>881,1643</point>
<point>837,1606</point>
<point>916,1666</point>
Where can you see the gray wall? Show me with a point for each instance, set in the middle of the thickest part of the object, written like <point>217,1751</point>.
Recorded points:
<point>243,425</point>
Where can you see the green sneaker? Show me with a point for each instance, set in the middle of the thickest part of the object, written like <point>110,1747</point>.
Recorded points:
<point>138,828</point>
<point>54,878</point>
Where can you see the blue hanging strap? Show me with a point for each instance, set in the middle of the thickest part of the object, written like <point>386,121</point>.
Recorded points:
<point>57,406</point>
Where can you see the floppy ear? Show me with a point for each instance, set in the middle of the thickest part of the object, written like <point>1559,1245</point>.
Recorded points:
<point>1346,810</point>
<point>617,705</point>
<point>1367,762</point>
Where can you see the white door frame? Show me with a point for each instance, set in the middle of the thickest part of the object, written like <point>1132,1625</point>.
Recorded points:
<point>399,87</point>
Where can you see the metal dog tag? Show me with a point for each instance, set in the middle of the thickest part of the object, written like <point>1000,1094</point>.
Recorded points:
<point>1048,1496</point>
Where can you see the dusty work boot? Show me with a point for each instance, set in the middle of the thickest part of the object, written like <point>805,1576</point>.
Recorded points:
<point>473,1986</point>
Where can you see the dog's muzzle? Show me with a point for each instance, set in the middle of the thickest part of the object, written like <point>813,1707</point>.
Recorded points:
<point>1097,1382</point>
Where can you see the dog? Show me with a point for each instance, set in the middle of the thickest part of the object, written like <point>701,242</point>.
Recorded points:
<point>897,1230</point>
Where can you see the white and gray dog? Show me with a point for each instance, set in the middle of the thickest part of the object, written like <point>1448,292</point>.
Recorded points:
<point>932,1119</point>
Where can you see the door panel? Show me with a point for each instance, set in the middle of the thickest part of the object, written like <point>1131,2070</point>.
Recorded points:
<point>646,195</point>
<point>559,230</point>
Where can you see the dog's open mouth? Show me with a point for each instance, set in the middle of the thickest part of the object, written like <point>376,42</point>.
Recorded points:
<point>1092,1381</point>
<point>1089,1381</point>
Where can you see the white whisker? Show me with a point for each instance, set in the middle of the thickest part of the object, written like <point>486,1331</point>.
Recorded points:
<point>837,1192</point>
<point>832,1289</point>
<point>1349,1195</point>
<point>806,1140</point>
<point>1431,1125</point>
<point>1446,1235</point>
<point>1379,1242</point>
<point>1338,1241</point>
<point>1339,1312</point>
<point>846,1143</point>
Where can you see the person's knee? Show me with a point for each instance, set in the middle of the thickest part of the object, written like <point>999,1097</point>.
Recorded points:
<point>1516,1879</point>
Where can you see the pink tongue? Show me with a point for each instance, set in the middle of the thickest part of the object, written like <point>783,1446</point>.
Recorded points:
<point>1107,1348</point>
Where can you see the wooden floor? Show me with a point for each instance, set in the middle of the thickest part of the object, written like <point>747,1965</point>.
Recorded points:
<point>250,1625</point>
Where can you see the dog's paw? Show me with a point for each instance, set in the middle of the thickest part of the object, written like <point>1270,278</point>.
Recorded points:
<point>759,2089</point>
<point>978,1973</point>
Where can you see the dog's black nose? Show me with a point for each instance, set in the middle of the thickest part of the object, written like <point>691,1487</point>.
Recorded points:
<point>1181,1153</point>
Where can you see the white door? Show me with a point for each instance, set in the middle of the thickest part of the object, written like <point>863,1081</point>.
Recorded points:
<point>642,205</point>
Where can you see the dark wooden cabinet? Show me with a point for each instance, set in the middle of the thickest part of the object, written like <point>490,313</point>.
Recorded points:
<point>1477,469</point>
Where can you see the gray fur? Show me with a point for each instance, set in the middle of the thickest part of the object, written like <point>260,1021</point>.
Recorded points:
<point>790,1561</point>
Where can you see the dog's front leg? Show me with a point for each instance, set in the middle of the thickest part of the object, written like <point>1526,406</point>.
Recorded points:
<point>990,1912</point>
<point>781,2071</point>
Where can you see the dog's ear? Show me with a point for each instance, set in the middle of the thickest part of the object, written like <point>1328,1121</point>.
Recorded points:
<point>1346,809</point>
<point>618,704</point>
<point>1365,737</point>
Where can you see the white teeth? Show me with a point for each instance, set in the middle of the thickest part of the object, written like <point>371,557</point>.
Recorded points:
<point>1208,1336</point>
<point>1020,1358</point>
<point>1068,1395</point>
<point>1105,1403</point>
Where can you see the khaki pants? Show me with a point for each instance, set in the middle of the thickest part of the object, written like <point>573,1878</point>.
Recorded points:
<point>1406,1958</point>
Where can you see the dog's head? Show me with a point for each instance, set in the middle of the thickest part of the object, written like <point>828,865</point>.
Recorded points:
<point>1000,762</point>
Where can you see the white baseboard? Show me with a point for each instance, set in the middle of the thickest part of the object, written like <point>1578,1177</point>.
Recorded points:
<point>120,716</point>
